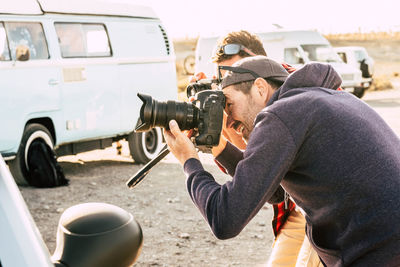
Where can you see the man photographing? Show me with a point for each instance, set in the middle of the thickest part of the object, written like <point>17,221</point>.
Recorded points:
<point>290,246</point>
<point>333,154</point>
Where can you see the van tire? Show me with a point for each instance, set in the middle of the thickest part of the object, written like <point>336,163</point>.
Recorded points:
<point>188,64</point>
<point>359,92</point>
<point>145,146</point>
<point>18,166</point>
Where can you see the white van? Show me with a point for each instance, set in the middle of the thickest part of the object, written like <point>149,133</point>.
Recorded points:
<point>292,47</point>
<point>70,72</point>
<point>358,57</point>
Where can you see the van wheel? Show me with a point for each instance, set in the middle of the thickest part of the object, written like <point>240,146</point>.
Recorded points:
<point>188,64</point>
<point>19,166</point>
<point>359,92</point>
<point>145,146</point>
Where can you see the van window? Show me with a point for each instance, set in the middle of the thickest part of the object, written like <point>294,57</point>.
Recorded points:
<point>360,55</point>
<point>83,40</point>
<point>4,51</point>
<point>292,56</point>
<point>343,56</point>
<point>29,34</point>
<point>321,53</point>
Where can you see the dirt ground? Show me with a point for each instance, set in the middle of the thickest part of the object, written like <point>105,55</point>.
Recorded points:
<point>175,234</point>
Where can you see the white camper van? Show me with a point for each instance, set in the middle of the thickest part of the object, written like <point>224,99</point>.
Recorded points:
<point>70,72</point>
<point>292,47</point>
<point>358,57</point>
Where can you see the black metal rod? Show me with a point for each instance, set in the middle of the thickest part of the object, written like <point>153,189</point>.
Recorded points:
<point>139,176</point>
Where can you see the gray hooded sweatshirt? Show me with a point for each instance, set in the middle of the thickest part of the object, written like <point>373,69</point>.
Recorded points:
<point>334,155</point>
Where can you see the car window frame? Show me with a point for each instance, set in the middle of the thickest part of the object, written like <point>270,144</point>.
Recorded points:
<point>294,48</point>
<point>6,43</point>
<point>28,22</point>
<point>84,23</point>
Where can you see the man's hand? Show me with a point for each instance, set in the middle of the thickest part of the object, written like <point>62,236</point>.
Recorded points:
<point>230,135</point>
<point>179,144</point>
<point>197,77</point>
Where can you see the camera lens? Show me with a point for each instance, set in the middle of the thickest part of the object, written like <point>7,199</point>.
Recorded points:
<point>155,113</point>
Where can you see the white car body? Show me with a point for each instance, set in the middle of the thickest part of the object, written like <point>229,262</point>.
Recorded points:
<point>21,243</point>
<point>353,55</point>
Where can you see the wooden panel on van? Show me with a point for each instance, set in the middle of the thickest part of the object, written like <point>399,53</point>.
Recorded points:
<point>74,74</point>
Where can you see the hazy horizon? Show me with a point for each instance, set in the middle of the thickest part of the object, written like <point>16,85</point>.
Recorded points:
<point>193,18</point>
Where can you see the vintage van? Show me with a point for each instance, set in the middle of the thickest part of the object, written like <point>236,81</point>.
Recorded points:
<point>70,72</point>
<point>292,47</point>
<point>358,57</point>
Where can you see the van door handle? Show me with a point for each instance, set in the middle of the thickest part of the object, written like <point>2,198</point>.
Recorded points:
<point>53,82</point>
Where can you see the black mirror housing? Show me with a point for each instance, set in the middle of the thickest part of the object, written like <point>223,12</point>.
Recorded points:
<point>97,234</point>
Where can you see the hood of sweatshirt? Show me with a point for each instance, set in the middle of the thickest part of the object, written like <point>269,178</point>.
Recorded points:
<point>310,75</point>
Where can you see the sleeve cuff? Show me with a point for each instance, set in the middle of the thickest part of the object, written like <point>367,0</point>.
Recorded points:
<point>192,165</point>
<point>229,157</point>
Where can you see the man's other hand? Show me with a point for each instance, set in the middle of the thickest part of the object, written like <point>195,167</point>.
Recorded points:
<point>197,77</point>
<point>230,135</point>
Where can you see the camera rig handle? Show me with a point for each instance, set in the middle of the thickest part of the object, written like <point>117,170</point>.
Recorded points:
<point>139,176</point>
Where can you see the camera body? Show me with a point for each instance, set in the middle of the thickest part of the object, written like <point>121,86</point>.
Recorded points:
<point>204,115</point>
<point>211,104</point>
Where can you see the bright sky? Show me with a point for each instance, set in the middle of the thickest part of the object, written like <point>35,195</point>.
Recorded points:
<point>191,18</point>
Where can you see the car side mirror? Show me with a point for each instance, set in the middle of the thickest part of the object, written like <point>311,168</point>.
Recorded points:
<point>97,234</point>
<point>22,53</point>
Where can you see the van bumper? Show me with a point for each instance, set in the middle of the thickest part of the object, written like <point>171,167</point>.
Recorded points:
<point>366,82</point>
<point>8,156</point>
<point>348,89</point>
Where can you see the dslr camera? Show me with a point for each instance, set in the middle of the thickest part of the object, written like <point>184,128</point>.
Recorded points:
<point>204,114</point>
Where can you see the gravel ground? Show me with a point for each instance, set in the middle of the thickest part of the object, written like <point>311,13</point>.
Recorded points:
<point>174,232</point>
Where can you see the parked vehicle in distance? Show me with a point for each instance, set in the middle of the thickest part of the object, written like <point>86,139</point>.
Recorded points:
<point>358,57</point>
<point>70,72</point>
<point>292,47</point>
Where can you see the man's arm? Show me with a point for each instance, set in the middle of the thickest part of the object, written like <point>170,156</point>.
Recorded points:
<point>229,207</point>
<point>229,157</point>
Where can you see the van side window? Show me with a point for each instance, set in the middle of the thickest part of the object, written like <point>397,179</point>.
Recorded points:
<point>4,51</point>
<point>292,56</point>
<point>29,34</point>
<point>83,40</point>
<point>360,55</point>
<point>343,56</point>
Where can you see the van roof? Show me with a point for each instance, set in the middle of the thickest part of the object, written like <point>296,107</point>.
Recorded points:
<point>81,7</point>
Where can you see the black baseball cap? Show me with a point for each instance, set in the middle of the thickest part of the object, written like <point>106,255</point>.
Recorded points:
<point>251,68</point>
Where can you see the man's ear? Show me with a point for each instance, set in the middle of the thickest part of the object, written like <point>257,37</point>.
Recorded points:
<point>263,88</point>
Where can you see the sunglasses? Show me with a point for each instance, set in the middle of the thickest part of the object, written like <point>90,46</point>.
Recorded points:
<point>237,70</point>
<point>234,49</point>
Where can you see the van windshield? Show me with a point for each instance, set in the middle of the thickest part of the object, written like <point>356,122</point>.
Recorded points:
<point>321,53</point>
<point>360,55</point>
